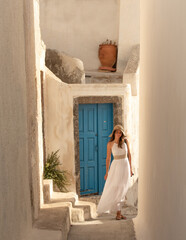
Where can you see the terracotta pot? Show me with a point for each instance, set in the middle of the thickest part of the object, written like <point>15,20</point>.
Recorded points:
<point>107,57</point>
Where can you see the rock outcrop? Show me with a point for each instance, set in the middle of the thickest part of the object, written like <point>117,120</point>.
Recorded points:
<point>68,69</point>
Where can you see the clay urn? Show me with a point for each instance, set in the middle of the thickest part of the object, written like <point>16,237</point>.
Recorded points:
<point>108,56</point>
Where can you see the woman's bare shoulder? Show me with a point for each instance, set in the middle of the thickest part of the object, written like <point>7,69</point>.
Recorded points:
<point>110,144</point>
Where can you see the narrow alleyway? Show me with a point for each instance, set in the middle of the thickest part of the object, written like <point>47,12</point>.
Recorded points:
<point>105,227</point>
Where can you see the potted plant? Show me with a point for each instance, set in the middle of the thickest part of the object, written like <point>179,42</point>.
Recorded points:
<point>108,56</point>
<point>51,171</point>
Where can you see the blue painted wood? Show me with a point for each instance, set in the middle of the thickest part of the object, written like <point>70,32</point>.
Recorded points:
<point>95,124</point>
<point>88,148</point>
<point>105,126</point>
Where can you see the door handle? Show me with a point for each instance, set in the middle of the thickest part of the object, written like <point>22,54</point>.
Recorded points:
<point>96,135</point>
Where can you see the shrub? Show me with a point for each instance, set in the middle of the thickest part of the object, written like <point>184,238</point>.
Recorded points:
<point>51,171</point>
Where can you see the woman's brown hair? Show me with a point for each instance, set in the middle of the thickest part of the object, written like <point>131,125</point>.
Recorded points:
<point>121,139</point>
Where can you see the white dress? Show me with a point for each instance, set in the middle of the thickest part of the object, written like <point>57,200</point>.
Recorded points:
<point>117,183</point>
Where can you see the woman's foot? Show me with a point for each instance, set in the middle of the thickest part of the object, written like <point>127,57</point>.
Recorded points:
<point>119,216</point>
<point>123,217</point>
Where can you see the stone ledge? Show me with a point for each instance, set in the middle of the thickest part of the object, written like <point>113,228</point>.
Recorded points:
<point>56,218</point>
<point>131,72</point>
<point>103,77</point>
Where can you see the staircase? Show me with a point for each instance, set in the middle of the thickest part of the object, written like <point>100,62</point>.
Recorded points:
<point>61,210</point>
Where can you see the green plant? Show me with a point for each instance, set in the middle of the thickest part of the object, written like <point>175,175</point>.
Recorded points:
<point>51,171</point>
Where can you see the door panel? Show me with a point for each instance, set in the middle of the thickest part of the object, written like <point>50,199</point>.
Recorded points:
<point>95,124</point>
<point>105,126</point>
<point>88,152</point>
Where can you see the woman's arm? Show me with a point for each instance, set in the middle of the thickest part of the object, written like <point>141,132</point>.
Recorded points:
<point>129,156</point>
<point>108,159</point>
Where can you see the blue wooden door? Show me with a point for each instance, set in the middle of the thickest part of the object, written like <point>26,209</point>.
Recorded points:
<point>105,126</point>
<point>95,124</point>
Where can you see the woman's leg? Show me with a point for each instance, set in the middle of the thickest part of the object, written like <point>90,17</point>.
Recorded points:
<point>118,214</point>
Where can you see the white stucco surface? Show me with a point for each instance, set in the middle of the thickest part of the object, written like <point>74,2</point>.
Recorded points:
<point>78,27</point>
<point>162,178</point>
<point>129,30</point>
<point>15,199</point>
<point>59,123</point>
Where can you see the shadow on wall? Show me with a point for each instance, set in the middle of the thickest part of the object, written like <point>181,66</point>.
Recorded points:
<point>132,195</point>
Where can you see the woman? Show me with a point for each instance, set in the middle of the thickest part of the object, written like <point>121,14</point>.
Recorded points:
<point>117,178</point>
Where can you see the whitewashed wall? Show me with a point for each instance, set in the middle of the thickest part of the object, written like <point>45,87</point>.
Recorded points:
<point>162,178</point>
<point>15,199</point>
<point>78,27</point>
<point>59,123</point>
<point>129,30</point>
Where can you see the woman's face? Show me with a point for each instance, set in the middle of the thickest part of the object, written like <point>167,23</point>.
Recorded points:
<point>118,133</point>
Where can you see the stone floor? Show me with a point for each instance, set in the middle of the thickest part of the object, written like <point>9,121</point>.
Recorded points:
<point>105,226</point>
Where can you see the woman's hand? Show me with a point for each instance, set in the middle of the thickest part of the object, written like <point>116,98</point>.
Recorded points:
<point>105,177</point>
<point>131,173</point>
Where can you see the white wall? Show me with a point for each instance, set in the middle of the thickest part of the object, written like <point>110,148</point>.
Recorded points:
<point>129,30</point>
<point>59,123</point>
<point>162,178</point>
<point>34,59</point>
<point>78,27</point>
<point>15,199</point>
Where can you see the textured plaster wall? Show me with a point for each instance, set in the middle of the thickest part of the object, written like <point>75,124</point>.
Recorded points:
<point>129,30</point>
<point>21,154</point>
<point>59,122</point>
<point>78,27</point>
<point>34,58</point>
<point>131,78</point>
<point>162,178</point>
<point>133,136</point>
<point>15,199</point>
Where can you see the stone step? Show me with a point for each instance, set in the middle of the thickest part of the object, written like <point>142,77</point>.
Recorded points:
<point>64,197</point>
<point>89,209</point>
<point>92,198</point>
<point>55,218</point>
<point>47,190</point>
<point>51,196</point>
<point>75,214</point>
<point>79,210</point>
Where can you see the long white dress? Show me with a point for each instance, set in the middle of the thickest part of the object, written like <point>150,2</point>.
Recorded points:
<point>117,183</point>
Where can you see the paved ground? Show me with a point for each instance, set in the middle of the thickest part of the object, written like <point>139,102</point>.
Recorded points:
<point>105,227</point>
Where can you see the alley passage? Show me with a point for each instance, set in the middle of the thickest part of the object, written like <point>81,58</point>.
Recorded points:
<point>103,228</point>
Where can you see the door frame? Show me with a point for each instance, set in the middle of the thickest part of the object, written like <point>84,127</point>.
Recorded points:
<point>118,118</point>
